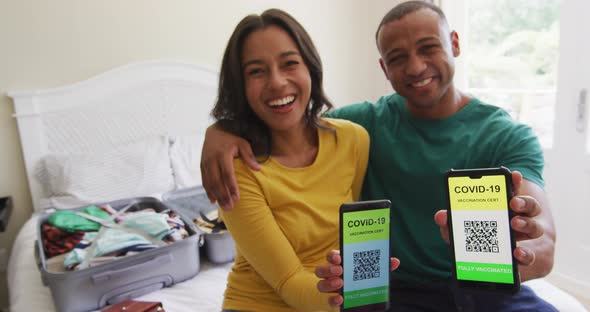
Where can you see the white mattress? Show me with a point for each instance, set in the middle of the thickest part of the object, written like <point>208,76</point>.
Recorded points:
<point>204,292</point>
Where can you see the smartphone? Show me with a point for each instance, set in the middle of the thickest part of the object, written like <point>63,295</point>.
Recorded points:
<point>479,224</point>
<point>364,247</point>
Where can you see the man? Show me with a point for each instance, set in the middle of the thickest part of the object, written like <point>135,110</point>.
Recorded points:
<point>427,127</point>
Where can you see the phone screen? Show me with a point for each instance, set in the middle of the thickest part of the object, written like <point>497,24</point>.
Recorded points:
<point>365,255</point>
<point>480,228</point>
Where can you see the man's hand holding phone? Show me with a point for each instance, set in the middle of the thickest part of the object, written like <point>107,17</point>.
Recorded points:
<point>482,240</point>
<point>331,275</point>
<point>524,223</point>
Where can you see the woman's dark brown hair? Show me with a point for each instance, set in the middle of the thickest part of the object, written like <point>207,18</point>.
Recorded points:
<point>231,108</point>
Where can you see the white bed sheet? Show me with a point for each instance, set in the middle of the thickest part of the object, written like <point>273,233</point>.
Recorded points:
<point>204,292</point>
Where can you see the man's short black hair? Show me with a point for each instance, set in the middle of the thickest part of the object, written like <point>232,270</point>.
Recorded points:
<point>406,8</point>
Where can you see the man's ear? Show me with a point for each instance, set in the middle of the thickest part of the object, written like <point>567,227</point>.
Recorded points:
<point>383,68</point>
<point>455,43</point>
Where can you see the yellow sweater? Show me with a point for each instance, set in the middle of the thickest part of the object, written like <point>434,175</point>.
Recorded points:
<point>286,222</point>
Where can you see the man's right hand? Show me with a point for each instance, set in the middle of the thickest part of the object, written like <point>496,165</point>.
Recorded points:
<point>217,165</point>
<point>331,276</point>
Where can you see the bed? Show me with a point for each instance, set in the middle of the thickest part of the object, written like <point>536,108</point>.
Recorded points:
<point>132,131</point>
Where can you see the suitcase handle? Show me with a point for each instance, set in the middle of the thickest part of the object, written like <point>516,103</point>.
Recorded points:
<point>136,289</point>
<point>108,275</point>
<point>136,293</point>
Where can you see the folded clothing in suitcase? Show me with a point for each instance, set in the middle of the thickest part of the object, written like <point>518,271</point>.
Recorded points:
<point>93,287</point>
<point>193,203</point>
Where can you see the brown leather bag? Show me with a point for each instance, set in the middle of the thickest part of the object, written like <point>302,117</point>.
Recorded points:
<point>135,306</point>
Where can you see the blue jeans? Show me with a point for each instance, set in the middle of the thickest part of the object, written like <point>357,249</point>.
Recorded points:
<point>448,296</point>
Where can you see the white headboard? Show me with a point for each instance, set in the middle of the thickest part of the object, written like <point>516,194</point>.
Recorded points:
<point>122,105</point>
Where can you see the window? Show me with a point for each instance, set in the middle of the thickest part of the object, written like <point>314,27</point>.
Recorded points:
<point>510,50</point>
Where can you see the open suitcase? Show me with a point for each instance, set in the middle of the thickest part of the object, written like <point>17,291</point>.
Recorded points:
<point>193,202</point>
<point>129,277</point>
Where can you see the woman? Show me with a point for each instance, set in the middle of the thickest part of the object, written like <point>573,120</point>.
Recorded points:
<point>286,221</point>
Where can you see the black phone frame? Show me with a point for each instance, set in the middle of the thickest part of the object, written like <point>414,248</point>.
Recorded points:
<point>478,173</point>
<point>363,206</point>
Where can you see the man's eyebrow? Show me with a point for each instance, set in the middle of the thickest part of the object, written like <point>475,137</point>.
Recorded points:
<point>421,40</point>
<point>392,52</point>
<point>429,38</point>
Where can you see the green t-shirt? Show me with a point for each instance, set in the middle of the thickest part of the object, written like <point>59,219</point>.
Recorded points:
<point>408,157</point>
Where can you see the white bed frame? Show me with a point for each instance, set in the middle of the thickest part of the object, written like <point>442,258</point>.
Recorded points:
<point>124,104</point>
<point>132,102</point>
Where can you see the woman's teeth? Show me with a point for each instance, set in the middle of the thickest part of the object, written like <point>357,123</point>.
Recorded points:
<point>282,101</point>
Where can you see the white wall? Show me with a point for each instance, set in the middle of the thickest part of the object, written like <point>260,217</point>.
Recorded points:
<point>50,43</point>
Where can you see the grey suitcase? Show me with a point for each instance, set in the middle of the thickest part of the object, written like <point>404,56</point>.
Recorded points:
<point>132,276</point>
<point>219,247</point>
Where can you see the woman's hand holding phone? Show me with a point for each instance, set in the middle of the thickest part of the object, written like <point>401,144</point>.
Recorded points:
<point>331,276</point>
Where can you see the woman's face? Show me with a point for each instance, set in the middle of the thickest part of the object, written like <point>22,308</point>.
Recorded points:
<point>277,81</point>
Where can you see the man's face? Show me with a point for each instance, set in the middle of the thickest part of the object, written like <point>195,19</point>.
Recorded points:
<point>417,56</point>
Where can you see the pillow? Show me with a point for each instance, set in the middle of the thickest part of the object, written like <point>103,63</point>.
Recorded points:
<point>137,169</point>
<point>185,156</point>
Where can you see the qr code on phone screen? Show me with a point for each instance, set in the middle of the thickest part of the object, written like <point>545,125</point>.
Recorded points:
<point>366,264</point>
<point>481,236</point>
